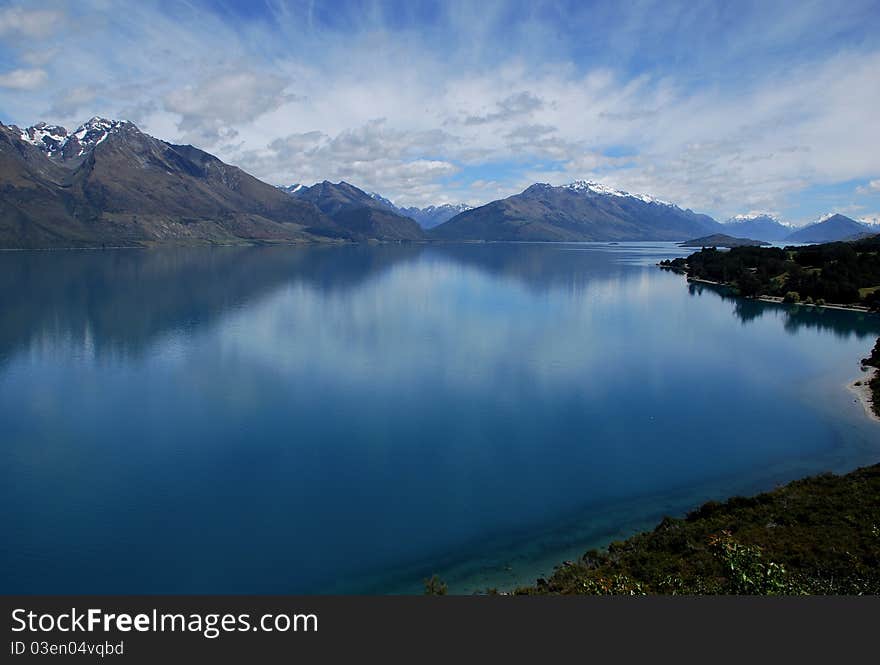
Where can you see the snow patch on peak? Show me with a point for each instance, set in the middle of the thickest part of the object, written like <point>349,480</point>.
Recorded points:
<point>826,216</point>
<point>49,138</point>
<point>756,214</point>
<point>56,141</point>
<point>381,199</point>
<point>95,131</point>
<point>431,209</point>
<point>598,188</point>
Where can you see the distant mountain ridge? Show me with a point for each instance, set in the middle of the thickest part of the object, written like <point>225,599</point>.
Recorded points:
<point>761,226</point>
<point>427,217</point>
<point>580,211</point>
<point>830,228</point>
<point>108,183</point>
<point>358,213</point>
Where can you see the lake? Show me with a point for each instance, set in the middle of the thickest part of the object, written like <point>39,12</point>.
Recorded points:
<point>354,419</point>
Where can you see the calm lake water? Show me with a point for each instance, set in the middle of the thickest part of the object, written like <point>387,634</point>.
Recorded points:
<point>353,419</point>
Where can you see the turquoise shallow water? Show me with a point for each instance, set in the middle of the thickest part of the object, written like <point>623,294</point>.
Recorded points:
<point>353,419</point>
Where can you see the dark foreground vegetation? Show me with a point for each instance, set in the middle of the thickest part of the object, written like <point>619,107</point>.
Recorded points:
<point>873,360</point>
<point>837,272</point>
<point>819,535</point>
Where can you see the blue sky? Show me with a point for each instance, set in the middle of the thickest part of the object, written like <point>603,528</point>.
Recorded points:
<point>723,107</point>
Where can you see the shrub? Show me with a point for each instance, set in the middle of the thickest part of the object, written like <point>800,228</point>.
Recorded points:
<point>434,586</point>
<point>747,572</point>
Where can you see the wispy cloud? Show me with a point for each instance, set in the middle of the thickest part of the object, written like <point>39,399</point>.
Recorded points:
<point>517,105</point>
<point>20,21</point>
<point>23,79</point>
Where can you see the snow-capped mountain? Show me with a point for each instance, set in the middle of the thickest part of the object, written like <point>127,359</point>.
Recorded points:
<point>57,143</point>
<point>758,226</point>
<point>428,217</point>
<point>109,184</point>
<point>292,189</point>
<point>581,210</point>
<point>751,216</point>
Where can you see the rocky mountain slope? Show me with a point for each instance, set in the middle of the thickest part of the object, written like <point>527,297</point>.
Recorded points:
<point>580,211</point>
<point>830,229</point>
<point>358,213</point>
<point>109,184</point>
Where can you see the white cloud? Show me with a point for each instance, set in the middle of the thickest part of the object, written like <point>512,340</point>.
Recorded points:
<point>872,187</point>
<point>23,79</point>
<point>28,23</point>
<point>370,156</point>
<point>211,109</point>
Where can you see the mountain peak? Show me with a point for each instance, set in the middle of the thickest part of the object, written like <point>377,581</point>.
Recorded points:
<point>56,142</point>
<point>829,228</point>
<point>358,212</point>
<point>759,225</point>
<point>95,131</point>
<point>835,216</point>
<point>593,188</point>
<point>48,138</point>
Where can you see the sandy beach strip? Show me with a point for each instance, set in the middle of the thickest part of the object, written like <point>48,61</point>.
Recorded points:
<point>862,391</point>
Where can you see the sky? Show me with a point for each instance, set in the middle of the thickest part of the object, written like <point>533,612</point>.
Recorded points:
<point>722,107</point>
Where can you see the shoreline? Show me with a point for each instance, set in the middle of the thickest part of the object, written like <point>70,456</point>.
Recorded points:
<point>862,390</point>
<point>860,387</point>
<point>775,300</point>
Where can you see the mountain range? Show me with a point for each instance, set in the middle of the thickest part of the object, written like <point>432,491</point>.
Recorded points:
<point>428,217</point>
<point>108,184</point>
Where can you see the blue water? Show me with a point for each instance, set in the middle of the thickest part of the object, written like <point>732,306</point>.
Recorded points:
<point>353,419</point>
